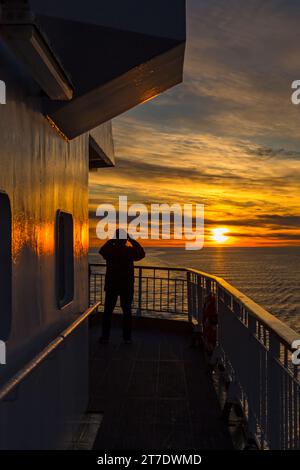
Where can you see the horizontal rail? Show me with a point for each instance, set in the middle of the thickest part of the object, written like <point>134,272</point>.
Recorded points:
<point>139,266</point>
<point>283,331</point>
<point>18,378</point>
<point>280,329</point>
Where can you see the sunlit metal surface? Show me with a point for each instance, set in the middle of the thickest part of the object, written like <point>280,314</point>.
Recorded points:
<point>41,173</point>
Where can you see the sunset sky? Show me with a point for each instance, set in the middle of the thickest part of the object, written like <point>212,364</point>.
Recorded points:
<point>229,136</point>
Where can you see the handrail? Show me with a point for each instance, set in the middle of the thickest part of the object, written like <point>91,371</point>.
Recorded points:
<point>281,330</point>
<point>139,266</point>
<point>286,334</point>
<point>41,356</point>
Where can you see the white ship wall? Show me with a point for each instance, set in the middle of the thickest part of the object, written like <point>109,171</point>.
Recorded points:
<point>41,173</point>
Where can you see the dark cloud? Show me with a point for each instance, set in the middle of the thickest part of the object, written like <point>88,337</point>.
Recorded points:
<point>281,220</point>
<point>281,154</point>
<point>260,220</point>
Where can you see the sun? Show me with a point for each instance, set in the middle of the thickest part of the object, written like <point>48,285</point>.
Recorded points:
<point>219,235</point>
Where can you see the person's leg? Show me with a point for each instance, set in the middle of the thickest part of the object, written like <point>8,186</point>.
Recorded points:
<point>126,301</point>
<point>111,298</point>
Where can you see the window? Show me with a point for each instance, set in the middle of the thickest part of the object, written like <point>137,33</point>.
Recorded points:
<point>64,259</point>
<point>5,267</point>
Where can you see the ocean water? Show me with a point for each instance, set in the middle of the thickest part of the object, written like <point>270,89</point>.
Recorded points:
<point>269,276</point>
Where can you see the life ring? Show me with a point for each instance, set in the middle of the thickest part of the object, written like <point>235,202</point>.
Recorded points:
<point>210,323</point>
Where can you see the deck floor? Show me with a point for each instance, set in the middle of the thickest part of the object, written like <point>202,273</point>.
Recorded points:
<point>154,394</point>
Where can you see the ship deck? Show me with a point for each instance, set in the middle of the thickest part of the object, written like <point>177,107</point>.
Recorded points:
<point>155,393</point>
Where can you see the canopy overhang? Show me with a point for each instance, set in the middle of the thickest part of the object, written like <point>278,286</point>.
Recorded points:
<point>98,59</point>
<point>101,147</point>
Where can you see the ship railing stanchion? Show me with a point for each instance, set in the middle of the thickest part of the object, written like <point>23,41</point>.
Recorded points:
<point>139,307</point>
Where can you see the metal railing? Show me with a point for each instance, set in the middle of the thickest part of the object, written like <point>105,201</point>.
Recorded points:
<point>159,290</point>
<point>256,350</point>
<point>254,347</point>
<point>31,366</point>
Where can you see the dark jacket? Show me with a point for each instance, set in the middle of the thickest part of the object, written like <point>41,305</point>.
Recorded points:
<point>120,263</point>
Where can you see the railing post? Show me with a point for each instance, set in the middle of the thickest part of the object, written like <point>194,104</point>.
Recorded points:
<point>200,301</point>
<point>189,293</point>
<point>168,294</point>
<point>139,307</point>
<point>89,286</point>
<point>275,424</point>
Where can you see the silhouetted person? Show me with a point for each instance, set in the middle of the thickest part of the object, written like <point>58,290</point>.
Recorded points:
<point>120,255</point>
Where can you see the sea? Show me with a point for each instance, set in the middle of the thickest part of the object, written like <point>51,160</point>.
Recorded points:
<point>269,276</point>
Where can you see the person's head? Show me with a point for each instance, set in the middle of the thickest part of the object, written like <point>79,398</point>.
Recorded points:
<point>121,236</point>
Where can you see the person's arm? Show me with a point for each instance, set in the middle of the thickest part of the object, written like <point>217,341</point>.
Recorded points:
<point>105,250</point>
<point>138,252</point>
